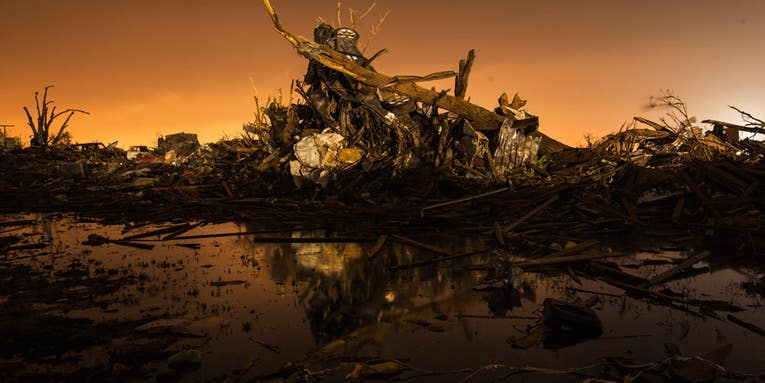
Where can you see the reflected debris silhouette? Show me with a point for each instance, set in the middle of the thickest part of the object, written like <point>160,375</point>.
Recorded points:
<point>502,300</point>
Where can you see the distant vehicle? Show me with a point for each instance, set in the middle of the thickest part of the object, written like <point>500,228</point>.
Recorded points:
<point>89,146</point>
<point>138,151</point>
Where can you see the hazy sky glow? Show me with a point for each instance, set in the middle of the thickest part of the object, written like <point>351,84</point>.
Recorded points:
<point>149,67</point>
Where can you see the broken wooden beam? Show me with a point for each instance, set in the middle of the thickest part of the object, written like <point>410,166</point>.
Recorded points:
<point>181,231</point>
<point>677,269</point>
<point>157,232</point>
<point>563,260</point>
<point>98,240</point>
<point>531,213</point>
<point>310,240</point>
<point>30,246</point>
<point>237,233</point>
<point>652,124</point>
<point>750,129</point>
<point>466,199</point>
<point>23,222</point>
<point>756,329</point>
<point>436,260</point>
<point>461,82</point>
<point>425,246</point>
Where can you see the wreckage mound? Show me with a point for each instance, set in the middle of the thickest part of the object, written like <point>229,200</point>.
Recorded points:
<point>363,146</point>
<point>651,187</point>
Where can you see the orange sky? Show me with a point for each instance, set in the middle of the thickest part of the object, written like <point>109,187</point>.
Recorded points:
<point>150,67</point>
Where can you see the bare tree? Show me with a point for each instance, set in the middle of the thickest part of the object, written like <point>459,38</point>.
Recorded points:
<point>46,115</point>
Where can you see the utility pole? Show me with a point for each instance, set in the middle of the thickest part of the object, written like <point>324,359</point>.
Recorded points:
<point>4,126</point>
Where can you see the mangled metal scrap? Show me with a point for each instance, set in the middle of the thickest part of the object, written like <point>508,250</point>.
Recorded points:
<point>474,144</point>
<point>516,143</point>
<point>71,170</point>
<point>181,144</point>
<point>514,148</point>
<point>318,155</point>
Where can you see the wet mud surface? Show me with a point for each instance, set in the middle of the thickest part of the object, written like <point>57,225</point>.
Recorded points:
<point>233,309</point>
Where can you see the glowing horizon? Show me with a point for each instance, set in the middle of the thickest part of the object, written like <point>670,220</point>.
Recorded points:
<point>145,69</point>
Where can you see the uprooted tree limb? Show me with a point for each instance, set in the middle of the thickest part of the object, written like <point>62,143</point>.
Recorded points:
<point>479,117</point>
<point>45,117</point>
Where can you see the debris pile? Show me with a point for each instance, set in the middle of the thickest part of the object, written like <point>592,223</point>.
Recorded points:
<point>376,175</point>
<point>354,122</point>
<point>382,146</point>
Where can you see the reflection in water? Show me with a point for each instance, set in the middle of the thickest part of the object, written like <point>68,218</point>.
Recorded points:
<point>502,300</point>
<point>344,291</point>
<point>305,298</point>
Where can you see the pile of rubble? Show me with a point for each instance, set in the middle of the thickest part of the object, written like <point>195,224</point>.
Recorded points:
<point>366,142</point>
<point>352,117</point>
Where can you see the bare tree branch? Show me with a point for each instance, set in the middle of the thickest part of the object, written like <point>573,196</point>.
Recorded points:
<point>748,118</point>
<point>31,122</point>
<point>61,132</point>
<point>45,119</point>
<point>371,7</point>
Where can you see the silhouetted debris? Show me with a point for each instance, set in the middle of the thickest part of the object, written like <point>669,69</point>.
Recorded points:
<point>178,144</point>
<point>376,165</point>
<point>376,146</point>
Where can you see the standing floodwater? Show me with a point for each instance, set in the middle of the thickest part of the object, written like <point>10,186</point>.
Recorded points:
<point>209,305</point>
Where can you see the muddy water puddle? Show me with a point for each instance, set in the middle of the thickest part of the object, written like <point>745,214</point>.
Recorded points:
<point>230,308</point>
